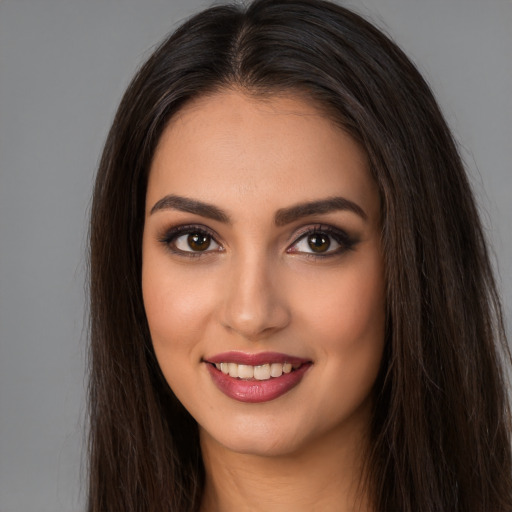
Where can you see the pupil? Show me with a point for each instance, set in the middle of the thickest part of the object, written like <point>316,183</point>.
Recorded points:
<point>319,243</point>
<point>198,241</point>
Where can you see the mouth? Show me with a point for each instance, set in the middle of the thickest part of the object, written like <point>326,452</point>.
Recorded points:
<point>260,372</point>
<point>255,378</point>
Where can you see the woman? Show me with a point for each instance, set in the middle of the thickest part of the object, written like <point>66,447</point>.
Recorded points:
<point>292,306</point>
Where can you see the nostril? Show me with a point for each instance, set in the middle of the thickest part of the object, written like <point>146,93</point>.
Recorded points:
<point>253,308</point>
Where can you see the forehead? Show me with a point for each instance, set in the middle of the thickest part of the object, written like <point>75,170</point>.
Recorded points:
<point>233,148</point>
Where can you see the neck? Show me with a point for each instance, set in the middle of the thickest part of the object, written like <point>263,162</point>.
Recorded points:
<point>326,476</point>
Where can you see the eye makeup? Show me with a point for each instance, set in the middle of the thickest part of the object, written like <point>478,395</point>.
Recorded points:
<point>197,240</point>
<point>317,241</point>
<point>322,241</point>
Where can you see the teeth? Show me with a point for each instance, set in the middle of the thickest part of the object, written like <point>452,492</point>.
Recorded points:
<point>233,369</point>
<point>276,370</point>
<point>245,371</point>
<point>260,372</point>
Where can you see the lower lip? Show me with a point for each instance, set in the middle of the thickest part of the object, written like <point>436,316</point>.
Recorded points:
<point>257,391</point>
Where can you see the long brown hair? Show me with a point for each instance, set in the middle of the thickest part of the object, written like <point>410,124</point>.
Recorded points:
<point>441,422</point>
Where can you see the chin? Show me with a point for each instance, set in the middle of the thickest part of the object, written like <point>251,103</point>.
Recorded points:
<point>273,434</point>
<point>264,439</point>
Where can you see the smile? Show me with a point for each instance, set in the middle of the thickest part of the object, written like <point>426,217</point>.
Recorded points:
<point>260,372</point>
<point>255,378</point>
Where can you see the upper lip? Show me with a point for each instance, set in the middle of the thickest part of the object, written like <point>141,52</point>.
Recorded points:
<point>255,359</point>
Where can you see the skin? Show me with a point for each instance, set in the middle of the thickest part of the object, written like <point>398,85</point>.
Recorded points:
<point>260,287</point>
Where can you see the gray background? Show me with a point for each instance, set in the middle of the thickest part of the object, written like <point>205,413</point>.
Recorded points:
<point>63,67</point>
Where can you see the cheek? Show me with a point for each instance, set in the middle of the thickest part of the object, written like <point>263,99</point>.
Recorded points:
<point>345,318</point>
<point>176,313</point>
<point>177,308</point>
<point>347,308</point>
<point>348,324</point>
<point>357,314</point>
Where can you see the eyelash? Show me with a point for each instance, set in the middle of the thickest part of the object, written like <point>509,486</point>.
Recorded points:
<point>169,238</point>
<point>345,241</point>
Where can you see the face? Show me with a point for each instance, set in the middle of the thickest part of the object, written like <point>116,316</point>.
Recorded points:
<point>262,272</point>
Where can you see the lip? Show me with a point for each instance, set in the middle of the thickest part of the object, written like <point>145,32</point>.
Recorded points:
<point>256,391</point>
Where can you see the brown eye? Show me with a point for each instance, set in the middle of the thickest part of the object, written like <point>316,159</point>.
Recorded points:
<point>319,242</point>
<point>322,241</point>
<point>199,241</point>
<point>192,242</point>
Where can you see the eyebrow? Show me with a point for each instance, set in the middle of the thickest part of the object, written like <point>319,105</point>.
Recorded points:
<point>331,204</point>
<point>184,204</point>
<point>283,216</point>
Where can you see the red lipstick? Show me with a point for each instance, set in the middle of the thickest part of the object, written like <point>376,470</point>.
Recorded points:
<point>253,390</point>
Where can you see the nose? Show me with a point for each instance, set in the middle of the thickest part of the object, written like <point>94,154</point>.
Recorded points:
<point>255,307</point>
